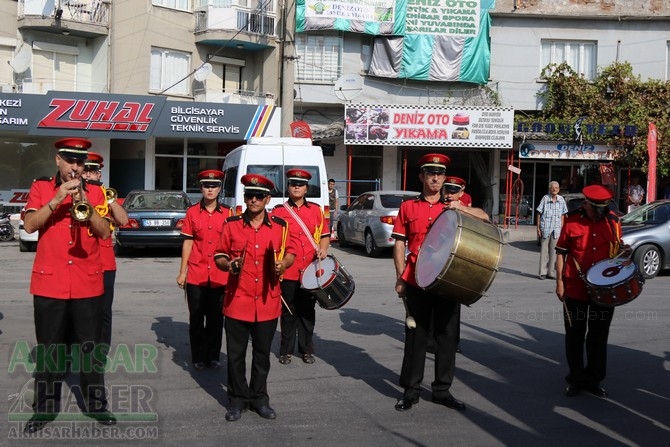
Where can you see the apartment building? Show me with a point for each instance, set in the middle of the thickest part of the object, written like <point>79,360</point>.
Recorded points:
<point>163,88</point>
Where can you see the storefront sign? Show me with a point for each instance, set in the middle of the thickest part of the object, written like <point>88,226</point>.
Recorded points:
<point>95,115</point>
<point>578,129</point>
<point>484,127</point>
<point>567,151</point>
<point>13,197</point>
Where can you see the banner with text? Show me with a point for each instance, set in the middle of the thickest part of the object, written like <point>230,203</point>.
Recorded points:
<point>485,127</point>
<point>567,151</point>
<point>376,17</point>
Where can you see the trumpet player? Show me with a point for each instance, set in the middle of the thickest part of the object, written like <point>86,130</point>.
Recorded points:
<point>67,286</point>
<point>115,213</point>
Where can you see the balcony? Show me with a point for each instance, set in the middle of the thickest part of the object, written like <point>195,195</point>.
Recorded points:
<point>221,26</point>
<point>83,18</point>
<point>42,86</point>
<point>239,97</point>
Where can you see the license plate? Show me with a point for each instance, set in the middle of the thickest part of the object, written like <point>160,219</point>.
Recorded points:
<point>157,222</point>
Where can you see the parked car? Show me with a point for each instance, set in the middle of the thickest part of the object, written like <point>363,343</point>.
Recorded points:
<point>647,230</point>
<point>155,219</point>
<point>27,242</point>
<point>369,220</point>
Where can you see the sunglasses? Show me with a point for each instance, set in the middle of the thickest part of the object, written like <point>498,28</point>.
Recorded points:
<point>254,195</point>
<point>210,185</point>
<point>297,184</point>
<point>71,161</point>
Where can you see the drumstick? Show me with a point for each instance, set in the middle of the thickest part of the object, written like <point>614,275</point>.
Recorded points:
<point>409,320</point>
<point>287,308</point>
<point>567,313</point>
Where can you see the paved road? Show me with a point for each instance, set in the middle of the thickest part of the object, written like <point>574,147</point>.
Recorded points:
<point>510,373</point>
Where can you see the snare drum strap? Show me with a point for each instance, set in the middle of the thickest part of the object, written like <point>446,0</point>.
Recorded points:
<point>579,269</point>
<point>302,224</point>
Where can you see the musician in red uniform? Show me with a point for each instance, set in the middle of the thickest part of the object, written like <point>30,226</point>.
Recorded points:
<point>198,273</point>
<point>67,285</point>
<point>307,226</point>
<point>255,249</point>
<point>590,234</point>
<point>411,226</point>
<point>113,211</point>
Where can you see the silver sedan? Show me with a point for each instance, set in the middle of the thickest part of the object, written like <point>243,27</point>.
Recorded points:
<point>369,220</point>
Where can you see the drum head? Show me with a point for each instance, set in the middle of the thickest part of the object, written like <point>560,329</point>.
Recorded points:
<point>310,280</point>
<point>436,248</point>
<point>610,272</point>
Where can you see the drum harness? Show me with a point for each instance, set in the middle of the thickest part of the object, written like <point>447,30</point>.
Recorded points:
<point>307,232</point>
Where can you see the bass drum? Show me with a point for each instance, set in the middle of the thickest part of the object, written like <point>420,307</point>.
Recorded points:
<point>329,282</point>
<point>459,257</point>
<point>613,282</point>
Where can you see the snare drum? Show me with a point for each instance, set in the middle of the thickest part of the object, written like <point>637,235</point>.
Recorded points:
<point>459,257</point>
<point>329,282</point>
<point>613,282</point>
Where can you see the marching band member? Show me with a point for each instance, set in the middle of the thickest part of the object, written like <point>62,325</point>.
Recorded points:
<point>255,249</point>
<point>118,216</point>
<point>307,224</point>
<point>591,234</point>
<point>67,284</point>
<point>411,226</point>
<point>203,281</point>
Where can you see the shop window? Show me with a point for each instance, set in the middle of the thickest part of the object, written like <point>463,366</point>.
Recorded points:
<point>320,58</point>
<point>169,71</point>
<point>178,165</point>
<point>580,55</point>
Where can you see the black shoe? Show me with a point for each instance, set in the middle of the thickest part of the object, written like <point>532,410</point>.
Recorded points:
<point>215,364</point>
<point>571,390</point>
<point>199,365</point>
<point>234,414</point>
<point>285,359</point>
<point>449,402</point>
<point>458,350</point>
<point>103,417</point>
<point>598,391</point>
<point>405,404</point>
<point>308,358</point>
<point>266,412</point>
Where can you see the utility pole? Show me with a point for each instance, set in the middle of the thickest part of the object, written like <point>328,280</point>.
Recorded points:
<point>287,72</point>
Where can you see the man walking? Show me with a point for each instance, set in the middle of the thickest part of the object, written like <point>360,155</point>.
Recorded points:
<point>550,218</point>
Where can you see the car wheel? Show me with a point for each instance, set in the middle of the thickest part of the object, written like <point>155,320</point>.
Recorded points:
<point>370,246</point>
<point>23,246</point>
<point>119,250</point>
<point>341,238</point>
<point>6,233</point>
<point>648,260</point>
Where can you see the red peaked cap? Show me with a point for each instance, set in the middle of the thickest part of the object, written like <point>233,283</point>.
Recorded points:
<point>94,160</point>
<point>598,195</point>
<point>456,181</point>
<point>434,162</point>
<point>257,183</point>
<point>298,175</point>
<point>74,148</point>
<point>211,175</point>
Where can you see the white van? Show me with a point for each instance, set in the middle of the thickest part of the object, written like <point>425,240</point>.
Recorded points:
<point>272,157</point>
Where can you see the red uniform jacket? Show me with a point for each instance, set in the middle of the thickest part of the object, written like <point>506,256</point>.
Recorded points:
<point>254,294</point>
<point>67,263</point>
<point>205,229</point>
<point>415,218</point>
<point>312,215</point>
<point>588,243</point>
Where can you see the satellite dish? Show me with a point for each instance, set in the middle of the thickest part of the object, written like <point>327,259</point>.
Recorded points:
<point>348,87</point>
<point>22,59</point>
<point>203,72</point>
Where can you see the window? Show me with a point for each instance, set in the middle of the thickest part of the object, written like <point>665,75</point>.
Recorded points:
<point>226,74</point>
<point>174,4</point>
<point>54,67</point>
<point>169,70</point>
<point>580,55</point>
<point>320,58</point>
<point>6,72</point>
<point>178,163</point>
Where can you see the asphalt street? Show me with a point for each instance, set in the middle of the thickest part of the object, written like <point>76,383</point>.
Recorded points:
<point>510,373</point>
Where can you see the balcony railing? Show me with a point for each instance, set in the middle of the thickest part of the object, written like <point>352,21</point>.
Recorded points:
<point>43,85</point>
<point>83,11</point>
<point>235,18</point>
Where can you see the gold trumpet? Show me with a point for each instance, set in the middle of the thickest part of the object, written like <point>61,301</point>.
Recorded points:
<point>111,195</point>
<point>81,210</point>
